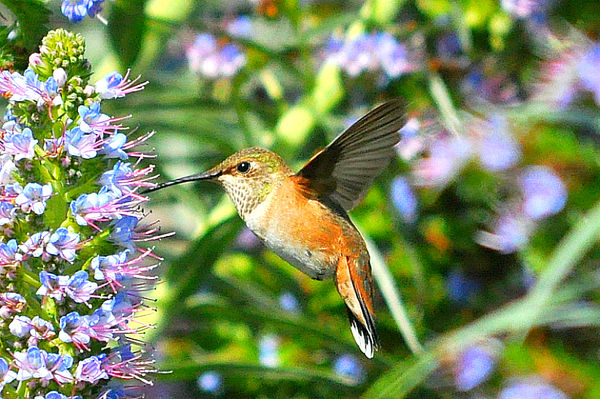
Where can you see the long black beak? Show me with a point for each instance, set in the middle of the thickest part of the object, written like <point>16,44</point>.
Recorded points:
<point>200,176</point>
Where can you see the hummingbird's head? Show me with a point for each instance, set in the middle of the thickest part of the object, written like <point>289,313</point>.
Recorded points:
<point>247,176</point>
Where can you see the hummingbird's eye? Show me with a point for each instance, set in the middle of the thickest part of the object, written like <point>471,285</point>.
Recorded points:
<point>243,167</point>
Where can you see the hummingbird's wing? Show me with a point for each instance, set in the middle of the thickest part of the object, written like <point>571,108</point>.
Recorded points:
<point>345,169</point>
<point>353,282</point>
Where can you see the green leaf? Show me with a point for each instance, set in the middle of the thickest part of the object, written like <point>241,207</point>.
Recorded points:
<point>32,16</point>
<point>126,28</point>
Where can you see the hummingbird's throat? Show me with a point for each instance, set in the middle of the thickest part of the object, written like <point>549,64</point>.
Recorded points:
<point>246,194</point>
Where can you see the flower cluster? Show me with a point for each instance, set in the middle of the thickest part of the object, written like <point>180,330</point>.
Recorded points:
<point>371,52</point>
<point>211,60</point>
<point>76,10</point>
<point>491,143</point>
<point>71,274</point>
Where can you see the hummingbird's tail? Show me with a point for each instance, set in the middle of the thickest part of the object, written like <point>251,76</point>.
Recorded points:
<point>354,284</point>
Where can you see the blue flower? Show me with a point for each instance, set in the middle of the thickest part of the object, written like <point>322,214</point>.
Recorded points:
<point>114,85</point>
<point>8,252</point>
<point>531,389</point>
<point>35,244</point>
<point>115,179</point>
<point>32,364</point>
<point>588,69</point>
<point>544,193</point>
<point>498,150</point>
<point>64,243</point>
<point>52,285</point>
<point>41,329</point>
<point>59,366</point>
<point>80,144</point>
<point>94,7</point>
<point>21,145</point>
<point>348,366</point>
<point>404,199</point>
<point>231,60</point>
<point>109,267</point>
<point>210,381</point>
<point>79,288</point>
<point>34,197</point>
<point>75,10</point>
<point>113,148</point>
<point>90,370</point>
<point>473,367</point>
<point>75,329</point>
<point>90,116</point>
<point>123,232</point>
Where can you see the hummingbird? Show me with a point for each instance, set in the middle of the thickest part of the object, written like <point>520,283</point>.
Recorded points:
<point>302,216</point>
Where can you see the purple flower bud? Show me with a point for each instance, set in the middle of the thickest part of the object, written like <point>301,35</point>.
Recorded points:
<point>544,193</point>
<point>60,76</point>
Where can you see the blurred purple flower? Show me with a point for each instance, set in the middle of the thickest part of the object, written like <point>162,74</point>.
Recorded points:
<point>524,8</point>
<point>404,199</point>
<point>393,56</point>
<point>358,55</point>
<point>448,46</point>
<point>498,150</point>
<point>349,366</point>
<point>588,68</point>
<point>206,58</point>
<point>473,367</point>
<point>531,389</point>
<point>511,232</point>
<point>268,350</point>
<point>544,193</point>
<point>460,288</point>
<point>446,157</point>
<point>210,381</point>
<point>289,302</point>
<point>240,27</point>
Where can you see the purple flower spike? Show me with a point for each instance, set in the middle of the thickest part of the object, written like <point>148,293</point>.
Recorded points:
<point>473,367</point>
<point>90,370</point>
<point>63,243</point>
<point>588,71</point>
<point>544,193</point>
<point>21,145</point>
<point>32,364</point>
<point>404,199</point>
<point>531,389</point>
<point>34,197</point>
